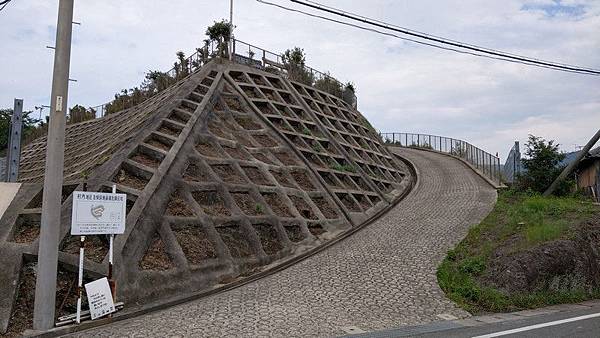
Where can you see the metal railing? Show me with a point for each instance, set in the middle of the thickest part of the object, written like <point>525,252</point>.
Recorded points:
<point>254,56</point>
<point>180,70</point>
<point>486,163</point>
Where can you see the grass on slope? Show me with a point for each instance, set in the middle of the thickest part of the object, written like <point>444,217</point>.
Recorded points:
<point>518,222</point>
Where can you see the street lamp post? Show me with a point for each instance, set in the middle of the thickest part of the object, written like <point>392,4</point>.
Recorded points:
<point>45,290</point>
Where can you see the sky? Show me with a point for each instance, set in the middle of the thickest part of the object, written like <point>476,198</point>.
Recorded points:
<point>401,86</point>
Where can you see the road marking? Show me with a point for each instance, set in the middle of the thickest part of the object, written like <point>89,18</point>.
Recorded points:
<point>538,326</point>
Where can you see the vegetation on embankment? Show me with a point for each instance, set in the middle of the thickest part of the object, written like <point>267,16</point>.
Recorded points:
<point>530,251</point>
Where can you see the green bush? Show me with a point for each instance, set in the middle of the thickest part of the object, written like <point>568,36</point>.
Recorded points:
<point>294,61</point>
<point>542,167</point>
<point>30,126</point>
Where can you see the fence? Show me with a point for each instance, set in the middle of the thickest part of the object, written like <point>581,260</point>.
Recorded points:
<point>512,166</point>
<point>248,54</point>
<point>245,53</point>
<point>484,162</point>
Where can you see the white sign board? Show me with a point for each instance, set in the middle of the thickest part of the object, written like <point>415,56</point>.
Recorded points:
<point>97,213</point>
<point>99,298</point>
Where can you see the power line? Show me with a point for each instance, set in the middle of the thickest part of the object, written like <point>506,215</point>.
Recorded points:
<point>381,24</point>
<point>431,35</point>
<point>408,39</point>
<point>4,3</point>
<point>471,49</point>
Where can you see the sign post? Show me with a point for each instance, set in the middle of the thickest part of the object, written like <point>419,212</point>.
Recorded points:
<point>96,213</point>
<point>80,278</point>
<point>111,240</point>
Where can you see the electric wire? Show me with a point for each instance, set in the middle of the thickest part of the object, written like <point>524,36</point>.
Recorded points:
<point>412,40</point>
<point>335,11</point>
<point>4,3</point>
<point>434,36</point>
<point>507,58</point>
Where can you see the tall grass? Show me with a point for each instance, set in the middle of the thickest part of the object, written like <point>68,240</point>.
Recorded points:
<point>518,222</point>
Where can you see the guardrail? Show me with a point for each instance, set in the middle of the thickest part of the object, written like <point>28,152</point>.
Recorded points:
<point>486,163</point>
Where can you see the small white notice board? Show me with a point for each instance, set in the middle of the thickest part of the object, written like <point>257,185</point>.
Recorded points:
<point>97,213</point>
<point>99,298</point>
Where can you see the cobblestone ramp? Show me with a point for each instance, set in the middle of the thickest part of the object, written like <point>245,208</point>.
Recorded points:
<point>229,171</point>
<point>382,277</point>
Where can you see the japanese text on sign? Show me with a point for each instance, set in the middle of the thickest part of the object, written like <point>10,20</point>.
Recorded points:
<point>96,213</point>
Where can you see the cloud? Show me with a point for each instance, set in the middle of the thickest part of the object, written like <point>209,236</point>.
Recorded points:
<point>401,86</point>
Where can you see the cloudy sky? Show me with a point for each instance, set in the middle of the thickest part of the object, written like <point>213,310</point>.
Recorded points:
<point>401,86</point>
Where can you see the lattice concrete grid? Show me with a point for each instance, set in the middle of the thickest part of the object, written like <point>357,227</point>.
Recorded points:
<point>227,171</point>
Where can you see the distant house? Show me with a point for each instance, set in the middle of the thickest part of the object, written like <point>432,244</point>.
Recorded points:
<point>588,174</point>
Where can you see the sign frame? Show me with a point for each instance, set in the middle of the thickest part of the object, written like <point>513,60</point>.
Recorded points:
<point>98,213</point>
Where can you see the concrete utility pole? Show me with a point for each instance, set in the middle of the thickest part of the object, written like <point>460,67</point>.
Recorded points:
<point>573,164</point>
<point>13,157</point>
<point>231,12</point>
<point>231,48</point>
<point>45,286</point>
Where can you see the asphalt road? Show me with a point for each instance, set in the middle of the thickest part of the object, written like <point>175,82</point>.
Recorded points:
<point>571,324</point>
<point>570,320</point>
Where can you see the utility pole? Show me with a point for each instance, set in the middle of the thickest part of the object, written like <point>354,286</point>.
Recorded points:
<point>13,155</point>
<point>45,286</point>
<point>569,169</point>
<point>231,48</point>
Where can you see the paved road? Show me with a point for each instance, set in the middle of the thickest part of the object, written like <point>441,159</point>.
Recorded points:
<point>580,320</point>
<point>573,324</point>
<point>381,277</point>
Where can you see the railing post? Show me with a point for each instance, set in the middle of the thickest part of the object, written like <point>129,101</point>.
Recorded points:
<point>484,164</point>
<point>499,176</point>
<point>233,50</point>
<point>468,152</point>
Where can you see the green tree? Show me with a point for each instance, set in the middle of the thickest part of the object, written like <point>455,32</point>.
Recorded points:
<point>156,81</point>
<point>349,86</point>
<point>542,166</point>
<point>79,114</point>
<point>329,85</point>
<point>294,61</point>
<point>29,126</point>
<point>181,66</point>
<point>220,33</point>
